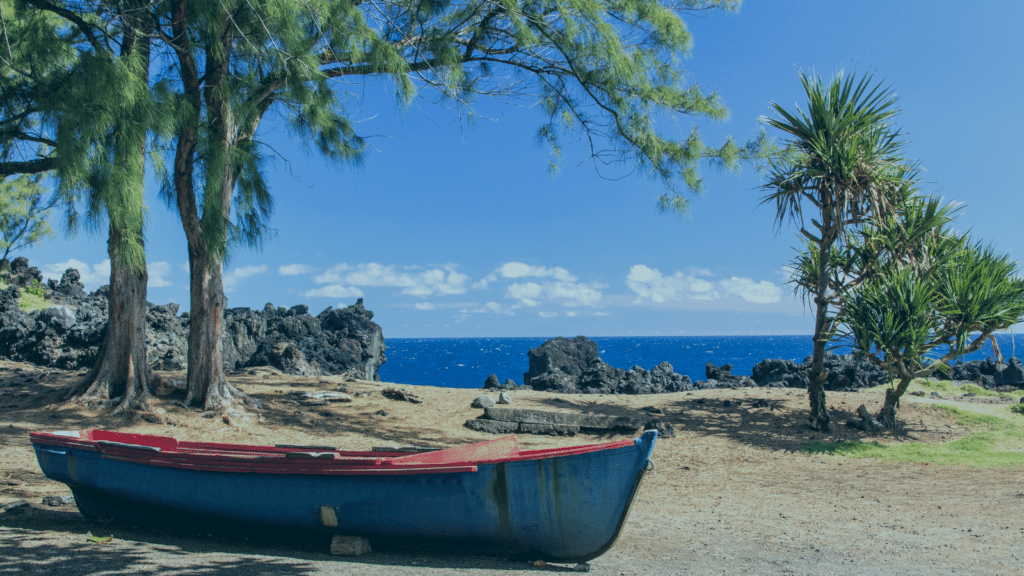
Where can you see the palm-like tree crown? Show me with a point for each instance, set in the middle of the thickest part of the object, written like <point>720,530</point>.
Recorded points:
<point>846,156</point>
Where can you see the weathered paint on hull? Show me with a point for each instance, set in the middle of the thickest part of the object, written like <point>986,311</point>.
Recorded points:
<point>566,508</point>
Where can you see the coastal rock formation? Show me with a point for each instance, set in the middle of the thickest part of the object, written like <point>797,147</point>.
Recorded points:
<point>988,373</point>
<point>342,341</point>
<point>573,366</point>
<point>845,373</point>
<point>69,334</point>
<point>722,377</point>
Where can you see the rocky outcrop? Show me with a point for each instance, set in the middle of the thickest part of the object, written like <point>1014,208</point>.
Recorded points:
<point>845,373</point>
<point>68,335</point>
<point>558,363</point>
<point>988,373</point>
<point>64,336</point>
<point>722,377</point>
<point>573,366</point>
<point>336,341</point>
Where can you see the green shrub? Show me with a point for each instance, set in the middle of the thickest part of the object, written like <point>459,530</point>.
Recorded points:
<point>36,289</point>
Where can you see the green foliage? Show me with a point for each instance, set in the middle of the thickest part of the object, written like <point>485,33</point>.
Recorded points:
<point>36,289</point>
<point>603,71</point>
<point>24,213</point>
<point>1017,409</point>
<point>847,156</point>
<point>77,90</point>
<point>944,295</point>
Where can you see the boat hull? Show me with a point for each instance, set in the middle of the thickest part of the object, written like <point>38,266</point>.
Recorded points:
<point>565,508</point>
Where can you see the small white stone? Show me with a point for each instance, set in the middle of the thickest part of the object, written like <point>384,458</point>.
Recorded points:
<point>349,545</point>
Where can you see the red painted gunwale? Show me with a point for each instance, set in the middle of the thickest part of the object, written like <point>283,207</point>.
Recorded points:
<point>241,458</point>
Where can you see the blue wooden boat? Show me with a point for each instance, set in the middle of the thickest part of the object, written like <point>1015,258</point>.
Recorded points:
<point>563,504</point>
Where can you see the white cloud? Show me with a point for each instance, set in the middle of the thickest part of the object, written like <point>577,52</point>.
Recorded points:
<point>762,292</point>
<point>651,284</point>
<point>547,314</point>
<point>444,280</point>
<point>497,309</point>
<point>92,276</point>
<point>566,293</point>
<point>570,313</point>
<point>295,270</point>
<point>157,274</point>
<point>526,293</point>
<point>519,270</point>
<point>425,306</point>
<point>335,291</point>
<point>237,276</point>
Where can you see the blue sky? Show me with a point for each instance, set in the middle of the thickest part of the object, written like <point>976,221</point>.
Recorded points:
<point>456,229</point>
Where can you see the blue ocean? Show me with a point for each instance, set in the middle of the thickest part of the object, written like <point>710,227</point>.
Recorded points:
<point>466,362</point>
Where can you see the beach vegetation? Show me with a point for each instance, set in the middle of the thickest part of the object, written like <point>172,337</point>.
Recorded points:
<point>994,441</point>
<point>917,311</point>
<point>844,169</point>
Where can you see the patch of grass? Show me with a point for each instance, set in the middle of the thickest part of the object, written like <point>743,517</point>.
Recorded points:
<point>31,302</point>
<point>1017,409</point>
<point>31,298</point>
<point>947,387</point>
<point>998,443</point>
<point>966,417</point>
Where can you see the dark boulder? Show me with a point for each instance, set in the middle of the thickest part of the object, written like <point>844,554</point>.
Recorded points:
<point>558,362</point>
<point>244,330</point>
<point>722,377</point>
<point>70,287</point>
<point>1012,375</point>
<point>780,374</point>
<point>341,341</point>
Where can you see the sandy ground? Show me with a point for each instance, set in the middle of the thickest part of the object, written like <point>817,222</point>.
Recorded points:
<point>730,494</point>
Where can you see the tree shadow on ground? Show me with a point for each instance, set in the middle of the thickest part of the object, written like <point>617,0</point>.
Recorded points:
<point>758,421</point>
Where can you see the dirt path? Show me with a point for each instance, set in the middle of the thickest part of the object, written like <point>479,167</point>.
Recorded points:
<point>730,494</point>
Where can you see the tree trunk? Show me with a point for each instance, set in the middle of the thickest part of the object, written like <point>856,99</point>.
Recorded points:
<point>819,418</point>
<point>207,385</point>
<point>1000,361</point>
<point>887,415</point>
<point>121,373</point>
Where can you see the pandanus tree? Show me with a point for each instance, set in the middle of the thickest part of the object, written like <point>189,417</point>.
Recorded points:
<point>916,313</point>
<point>845,170</point>
<point>76,88</point>
<point>604,70</point>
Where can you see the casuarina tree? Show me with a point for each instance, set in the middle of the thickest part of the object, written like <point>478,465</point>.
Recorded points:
<point>846,170</point>
<point>76,87</point>
<point>605,70</point>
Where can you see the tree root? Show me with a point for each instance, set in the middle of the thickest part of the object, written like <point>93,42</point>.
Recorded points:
<point>226,397</point>
<point>867,422</point>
